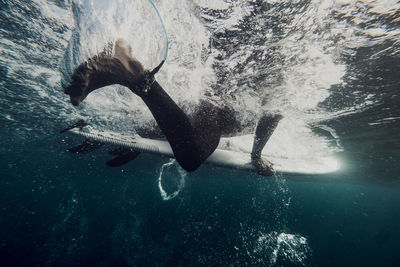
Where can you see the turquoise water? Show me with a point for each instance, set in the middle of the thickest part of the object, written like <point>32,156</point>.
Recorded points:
<point>330,67</point>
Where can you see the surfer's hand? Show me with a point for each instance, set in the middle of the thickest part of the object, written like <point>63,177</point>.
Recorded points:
<point>263,166</point>
<point>99,71</point>
<point>103,70</point>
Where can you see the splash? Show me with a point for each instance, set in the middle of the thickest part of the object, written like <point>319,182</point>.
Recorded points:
<point>179,184</point>
<point>184,75</point>
<point>257,56</point>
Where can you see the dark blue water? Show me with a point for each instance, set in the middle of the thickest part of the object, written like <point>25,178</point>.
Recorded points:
<point>340,100</point>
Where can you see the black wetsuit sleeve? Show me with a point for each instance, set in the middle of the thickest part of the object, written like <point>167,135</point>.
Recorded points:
<point>191,144</point>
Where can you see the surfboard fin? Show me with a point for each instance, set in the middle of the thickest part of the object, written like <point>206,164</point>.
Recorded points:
<point>86,147</point>
<point>123,156</point>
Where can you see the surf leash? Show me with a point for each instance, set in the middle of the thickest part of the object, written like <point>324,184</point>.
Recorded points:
<point>165,31</point>
<point>156,69</point>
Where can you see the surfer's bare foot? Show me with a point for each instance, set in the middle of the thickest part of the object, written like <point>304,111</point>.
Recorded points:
<point>103,70</point>
<point>263,166</point>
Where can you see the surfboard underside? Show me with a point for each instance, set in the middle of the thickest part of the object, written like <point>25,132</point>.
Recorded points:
<point>221,157</point>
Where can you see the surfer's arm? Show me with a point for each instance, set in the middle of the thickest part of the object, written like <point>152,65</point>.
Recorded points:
<point>191,145</point>
<point>191,142</point>
<point>265,127</point>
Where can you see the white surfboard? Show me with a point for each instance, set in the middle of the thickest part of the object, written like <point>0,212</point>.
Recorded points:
<point>220,157</point>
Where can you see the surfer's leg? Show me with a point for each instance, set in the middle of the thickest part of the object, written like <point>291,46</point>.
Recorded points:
<point>265,127</point>
<point>192,141</point>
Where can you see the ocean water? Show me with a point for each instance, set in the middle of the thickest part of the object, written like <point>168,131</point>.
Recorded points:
<point>331,68</point>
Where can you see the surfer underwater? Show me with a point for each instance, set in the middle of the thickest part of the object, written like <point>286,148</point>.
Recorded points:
<point>193,138</point>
